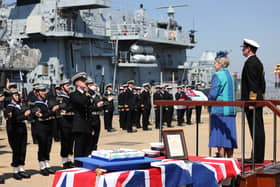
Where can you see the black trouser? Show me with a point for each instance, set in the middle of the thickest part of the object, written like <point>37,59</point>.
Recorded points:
<point>125,113</point>
<point>56,130</point>
<point>67,140</point>
<point>129,120</point>
<point>44,136</point>
<point>189,115</point>
<point>259,131</point>
<point>81,146</point>
<point>145,118</point>
<point>108,117</point>
<point>121,119</point>
<point>168,115</point>
<point>157,116</point>
<point>17,137</point>
<point>95,137</point>
<point>33,132</point>
<point>136,116</point>
<point>198,113</point>
<point>180,116</point>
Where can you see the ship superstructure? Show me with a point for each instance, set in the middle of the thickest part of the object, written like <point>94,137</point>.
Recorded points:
<point>83,35</point>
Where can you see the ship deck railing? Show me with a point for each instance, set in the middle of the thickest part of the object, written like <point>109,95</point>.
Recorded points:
<point>148,31</point>
<point>271,104</point>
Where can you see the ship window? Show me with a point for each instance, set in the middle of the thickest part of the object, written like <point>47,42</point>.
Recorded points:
<point>98,67</point>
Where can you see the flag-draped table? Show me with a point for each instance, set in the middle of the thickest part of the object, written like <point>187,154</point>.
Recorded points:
<point>201,172</point>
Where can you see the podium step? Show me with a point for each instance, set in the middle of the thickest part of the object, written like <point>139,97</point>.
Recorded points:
<point>267,176</point>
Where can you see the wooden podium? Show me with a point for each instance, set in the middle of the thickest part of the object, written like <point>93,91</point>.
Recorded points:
<point>266,177</point>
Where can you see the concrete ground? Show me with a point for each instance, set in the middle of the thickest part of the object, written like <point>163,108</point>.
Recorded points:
<point>122,139</point>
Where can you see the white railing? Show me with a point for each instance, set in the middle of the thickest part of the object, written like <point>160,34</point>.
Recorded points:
<point>149,32</point>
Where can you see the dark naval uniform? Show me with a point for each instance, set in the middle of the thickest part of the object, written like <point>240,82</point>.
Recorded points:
<point>30,101</point>
<point>137,110</point>
<point>108,111</point>
<point>121,108</point>
<point>43,130</point>
<point>65,123</point>
<point>82,123</point>
<point>168,109</point>
<point>130,103</point>
<point>146,108</point>
<point>96,123</point>
<point>158,95</point>
<point>17,133</point>
<point>253,88</point>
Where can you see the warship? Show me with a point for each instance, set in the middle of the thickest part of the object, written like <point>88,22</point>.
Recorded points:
<point>44,40</point>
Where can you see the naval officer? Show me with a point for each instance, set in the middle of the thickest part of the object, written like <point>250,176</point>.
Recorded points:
<point>158,95</point>
<point>146,106</point>
<point>82,121</point>
<point>109,107</point>
<point>129,104</point>
<point>253,88</point>
<point>121,108</point>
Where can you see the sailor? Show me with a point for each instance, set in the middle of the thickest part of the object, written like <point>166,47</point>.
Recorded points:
<point>180,96</point>
<point>82,123</point>
<point>146,106</point>
<point>17,134</point>
<point>158,95</point>
<point>137,109</point>
<point>121,107</point>
<point>125,106</point>
<point>65,123</point>
<point>252,89</point>
<point>169,109</point>
<point>30,102</point>
<point>108,99</point>
<point>130,104</point>
<point>97,106</point>
<point>52,97</point>
<point>43,115</point>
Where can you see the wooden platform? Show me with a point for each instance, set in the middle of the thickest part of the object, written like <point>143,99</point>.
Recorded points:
<point>264,177</point>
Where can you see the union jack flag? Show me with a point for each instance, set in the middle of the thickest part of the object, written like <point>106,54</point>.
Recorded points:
<point>169,173</point>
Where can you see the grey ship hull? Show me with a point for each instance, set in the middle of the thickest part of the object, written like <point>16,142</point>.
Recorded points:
<point>75,37</point>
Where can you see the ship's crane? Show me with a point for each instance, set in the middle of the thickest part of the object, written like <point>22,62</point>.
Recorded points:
<point>171,23</point>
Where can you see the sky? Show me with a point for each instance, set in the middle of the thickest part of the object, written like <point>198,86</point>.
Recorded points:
<point>222,25</point>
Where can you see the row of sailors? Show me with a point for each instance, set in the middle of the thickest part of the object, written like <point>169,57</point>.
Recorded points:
<point>140,104</point>
<point>77,115</point>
